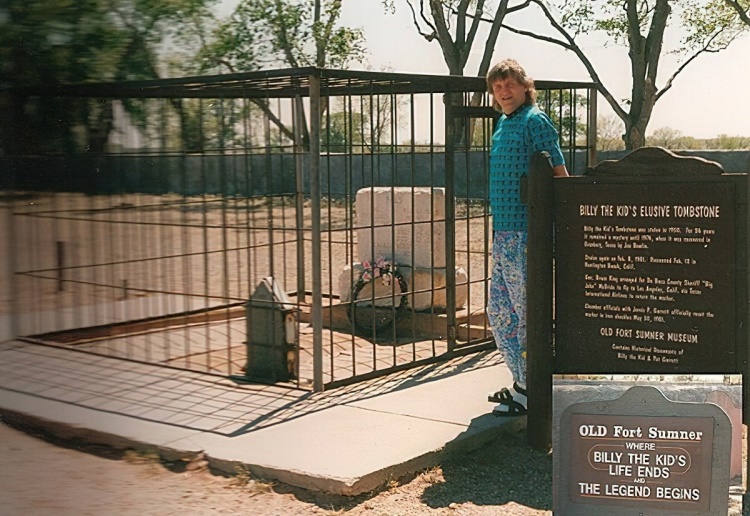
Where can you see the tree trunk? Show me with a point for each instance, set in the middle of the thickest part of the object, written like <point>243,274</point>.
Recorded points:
<point>635,136</point>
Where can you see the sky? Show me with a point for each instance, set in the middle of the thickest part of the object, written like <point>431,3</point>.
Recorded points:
<point>693,105</point>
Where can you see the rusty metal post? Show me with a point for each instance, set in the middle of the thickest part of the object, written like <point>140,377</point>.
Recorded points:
<point>539,298</point>
<point>316,263</point>
<point>591,157</point>
<point>450,221</point>
<point>60,254</point>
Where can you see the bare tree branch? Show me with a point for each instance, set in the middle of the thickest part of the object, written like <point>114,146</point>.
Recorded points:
<point>571,45</point>
<point>461,22</point>
<point>489,45</point>
<point>443,35</point>
<point>425,35</point>
<point>474,27</point>
<point>705,49</point>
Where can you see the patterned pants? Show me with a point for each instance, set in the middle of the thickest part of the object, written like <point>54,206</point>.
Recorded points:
<point>506,309</point>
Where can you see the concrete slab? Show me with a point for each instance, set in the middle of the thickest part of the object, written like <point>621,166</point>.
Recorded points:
<point>347,441</point>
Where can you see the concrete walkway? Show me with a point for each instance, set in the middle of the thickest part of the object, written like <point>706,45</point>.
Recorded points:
<point>347,441</point>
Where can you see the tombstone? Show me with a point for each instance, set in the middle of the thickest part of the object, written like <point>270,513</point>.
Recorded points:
<point>271,333</point>
<point>642,454</point>
<point>405,226</point>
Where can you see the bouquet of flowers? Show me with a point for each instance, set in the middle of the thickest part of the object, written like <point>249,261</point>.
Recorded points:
<point>381,268</point>
<point>368,316</point>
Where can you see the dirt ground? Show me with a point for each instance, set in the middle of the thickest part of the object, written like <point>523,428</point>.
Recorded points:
<point>51,477</point>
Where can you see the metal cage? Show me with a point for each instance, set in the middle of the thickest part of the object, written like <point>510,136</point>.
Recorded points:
<point>143,216</point>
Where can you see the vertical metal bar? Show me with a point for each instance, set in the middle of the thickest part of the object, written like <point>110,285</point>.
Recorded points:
<point>487,233</point>
<point>412,183</point>
<point>186,265</point>
<point>539,302</point>
<point>745,367</point>
<point>60,255</point>
<point>329,225</point>
<point>269,190</point>
<point>591,156</point>
<point>317,288</point>
<point>204,233</point>
<point>11,261</point>
<point>394,227</point>
<point>164,229</point>
<point>299,177</point>
<point>573,128</point>
<point>224,198</point>
<point>450,223</point>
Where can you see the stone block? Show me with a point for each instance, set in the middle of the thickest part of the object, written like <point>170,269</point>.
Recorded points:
<point>402,224</point>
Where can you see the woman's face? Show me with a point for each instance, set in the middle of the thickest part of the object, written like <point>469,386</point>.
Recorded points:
<point>509,94</point>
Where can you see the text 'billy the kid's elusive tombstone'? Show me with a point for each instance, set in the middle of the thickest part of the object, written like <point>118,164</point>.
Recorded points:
<point>643,452</point>
<point>645,260</point>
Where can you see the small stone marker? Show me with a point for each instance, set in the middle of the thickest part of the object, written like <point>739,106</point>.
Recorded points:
<point>272,339</point>
<point>643,454</point>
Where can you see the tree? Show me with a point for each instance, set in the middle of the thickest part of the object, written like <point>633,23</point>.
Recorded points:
<point>292,33</point>
<point>742,8</point>
<point>724,141</point>
<point>609,133</point>
<point>454,25</point>
<point>706,26</point>
<point>49,42</point>
<point>148,25</point>
<point>665,137</point>
<point>367,123</point>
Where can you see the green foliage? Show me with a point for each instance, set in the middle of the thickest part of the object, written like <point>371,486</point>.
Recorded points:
<point>699,26</point>
<point>283,33</point>
<point>48,42</point>
<point>710,24</point>
<point>724,141</point>
<point>666,137</point>
<point>362,124</point>
<point>609,131</point>
<point>567,110</point>
<point>58,41</point>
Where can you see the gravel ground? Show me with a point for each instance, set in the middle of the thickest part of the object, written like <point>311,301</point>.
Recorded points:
<point>40,477</point>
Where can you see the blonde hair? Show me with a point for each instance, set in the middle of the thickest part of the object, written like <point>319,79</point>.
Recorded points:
<point>511,69</point>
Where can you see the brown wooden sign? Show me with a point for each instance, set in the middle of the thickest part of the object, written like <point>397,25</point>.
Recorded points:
<point>643,451</point>
<point>645,270</point>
